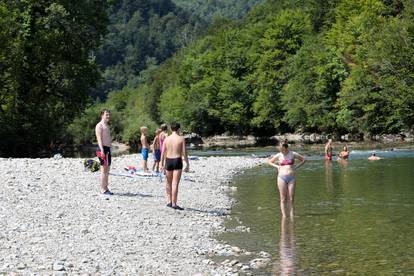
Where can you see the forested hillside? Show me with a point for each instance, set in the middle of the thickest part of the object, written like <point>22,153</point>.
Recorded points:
<point>142,34</point>
<point>210,9</point>
<point>291,65</point>
<point>344,66</point>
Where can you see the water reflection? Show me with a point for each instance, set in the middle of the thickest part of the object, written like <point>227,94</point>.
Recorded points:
<point>287,264</point>
<point>328,176</point>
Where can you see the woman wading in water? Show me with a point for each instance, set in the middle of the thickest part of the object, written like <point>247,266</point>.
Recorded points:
<point>284,161</point>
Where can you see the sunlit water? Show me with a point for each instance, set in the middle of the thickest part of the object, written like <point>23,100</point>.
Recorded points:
<point>351,218</point>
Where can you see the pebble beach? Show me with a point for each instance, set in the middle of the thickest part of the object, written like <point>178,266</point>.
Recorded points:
<point>54,221</point>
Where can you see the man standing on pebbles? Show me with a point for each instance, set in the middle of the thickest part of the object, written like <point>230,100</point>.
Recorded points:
<point>171,160</point>
<point>103,136</point>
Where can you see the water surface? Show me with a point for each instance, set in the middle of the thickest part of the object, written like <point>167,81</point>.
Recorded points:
<point>355,217</point>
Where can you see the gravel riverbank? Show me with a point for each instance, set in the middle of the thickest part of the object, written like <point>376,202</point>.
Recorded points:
<point>53,221</point>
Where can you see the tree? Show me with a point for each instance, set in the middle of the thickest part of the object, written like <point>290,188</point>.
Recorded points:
<point>52,71</point>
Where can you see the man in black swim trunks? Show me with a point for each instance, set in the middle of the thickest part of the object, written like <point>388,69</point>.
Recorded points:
<point>103,136</point>
<point>171,160</point>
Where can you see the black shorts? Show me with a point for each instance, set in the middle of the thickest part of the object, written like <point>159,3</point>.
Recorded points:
<point>172,164</point>
<point>107,152</point>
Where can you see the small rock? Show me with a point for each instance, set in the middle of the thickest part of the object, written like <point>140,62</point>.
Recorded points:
<point>259,263</point>
<point>245,267</point>
<point>59,266</point>
<point>264,254</point>
<point>236,249</point>
<point>21,266</point>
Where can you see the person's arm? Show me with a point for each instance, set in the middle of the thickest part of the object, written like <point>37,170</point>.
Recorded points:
<point>98,132</point>
<point>301,159</point>
<point>187,168</point>
<point>163,153</point>
<point>272,161</point>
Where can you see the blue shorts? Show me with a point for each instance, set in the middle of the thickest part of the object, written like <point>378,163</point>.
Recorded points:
<point>157,155</point>
<point>144,152</point>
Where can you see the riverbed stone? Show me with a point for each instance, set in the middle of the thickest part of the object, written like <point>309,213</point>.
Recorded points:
<point>61,219</point>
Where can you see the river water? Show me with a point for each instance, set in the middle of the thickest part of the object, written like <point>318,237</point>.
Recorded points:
<point>352,218</point>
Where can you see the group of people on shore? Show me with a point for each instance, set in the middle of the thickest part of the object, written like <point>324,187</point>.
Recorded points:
<point>168,151</point>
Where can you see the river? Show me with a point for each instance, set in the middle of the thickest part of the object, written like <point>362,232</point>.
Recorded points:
<point>355,217</point>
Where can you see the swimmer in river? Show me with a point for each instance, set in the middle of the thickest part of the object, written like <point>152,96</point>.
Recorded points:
<point>344,154</point>
<point>374,157</point>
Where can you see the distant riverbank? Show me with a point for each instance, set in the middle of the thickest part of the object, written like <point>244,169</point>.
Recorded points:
<point>297,138</point>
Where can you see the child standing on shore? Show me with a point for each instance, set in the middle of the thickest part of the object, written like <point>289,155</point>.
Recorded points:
<point>156,151</point>
<point>145,148</point>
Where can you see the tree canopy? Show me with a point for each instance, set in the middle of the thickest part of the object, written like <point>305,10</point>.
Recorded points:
<point>47,70</point>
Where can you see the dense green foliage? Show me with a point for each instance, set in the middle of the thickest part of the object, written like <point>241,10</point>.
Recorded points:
<point>211,9</point>
<point>289,66</point>
<point>142,34</point>
<point>46,69</point>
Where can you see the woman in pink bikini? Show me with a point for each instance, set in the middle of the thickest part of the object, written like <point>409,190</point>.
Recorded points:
<point>284,161</point>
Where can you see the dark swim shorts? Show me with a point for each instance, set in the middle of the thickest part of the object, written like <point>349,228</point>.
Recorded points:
<point>172,164</point>
<point>107,153</point>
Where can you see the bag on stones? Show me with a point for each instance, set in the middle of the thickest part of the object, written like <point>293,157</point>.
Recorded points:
<point>91,165</point>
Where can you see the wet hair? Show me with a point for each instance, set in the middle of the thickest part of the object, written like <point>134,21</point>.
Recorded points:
<point>164,127</point>
<point>373,154</point>
<point>285,145</point>
<point>175,126</point>
<point>105,110</point>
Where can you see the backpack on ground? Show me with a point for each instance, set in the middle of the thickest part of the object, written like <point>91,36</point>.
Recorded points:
<point>91,165</point>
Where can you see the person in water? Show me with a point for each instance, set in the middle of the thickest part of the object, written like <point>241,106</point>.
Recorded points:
<point>374,157</point>
<point>344,154</point>
<point>171,160</point>
<point>328,150</point>
<point>103,136</point>
<point>284,161</point>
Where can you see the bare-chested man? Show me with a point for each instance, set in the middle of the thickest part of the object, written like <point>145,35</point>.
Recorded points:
<point>103,136</point>
<point>171,160</point>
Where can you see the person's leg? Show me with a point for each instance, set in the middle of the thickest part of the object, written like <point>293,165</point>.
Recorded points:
<point>157,166</point>
<point>291,197</point>
<point>107,178</point>
<point>169,178</point>
<point>102,179</point>
<point>175,182</point>
<point>283,191</point>
<point>145,168</point>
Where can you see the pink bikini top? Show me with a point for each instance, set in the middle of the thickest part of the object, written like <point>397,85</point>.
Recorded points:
<point>289,161</point>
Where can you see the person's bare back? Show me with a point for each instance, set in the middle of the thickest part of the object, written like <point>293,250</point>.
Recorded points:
<point>174,146</point>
